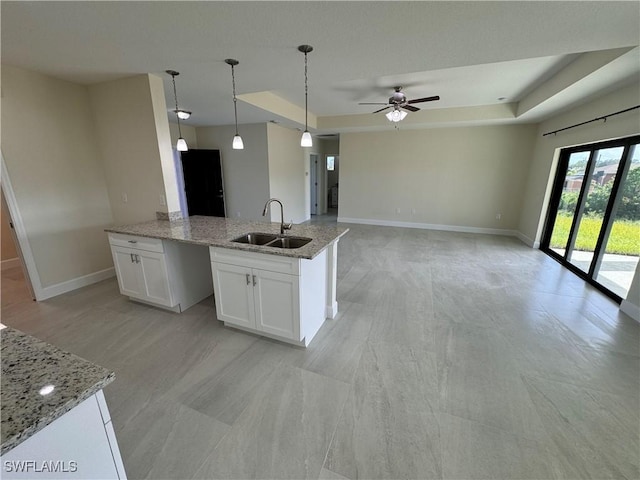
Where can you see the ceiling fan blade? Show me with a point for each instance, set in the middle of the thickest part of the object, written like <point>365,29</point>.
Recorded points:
<point>425,99</point>
<point>382,109</point>
<point>375,103</point>
<point>411,108</point>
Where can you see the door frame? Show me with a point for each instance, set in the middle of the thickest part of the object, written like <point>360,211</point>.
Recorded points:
<point>609,213</point>
<point>313,184</point>
<point>25,253</point>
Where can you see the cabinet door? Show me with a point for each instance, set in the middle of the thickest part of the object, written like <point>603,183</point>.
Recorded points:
<point>155,278</point>
<point>233,290</point>
<point>127,272</point>
<point>277,300</point>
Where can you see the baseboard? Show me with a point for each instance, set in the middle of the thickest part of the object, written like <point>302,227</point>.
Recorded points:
<point>527,241</point>
<point>11,263</point>
<point>429,226</point>
<point>630,309</point>
<point>75,283</point>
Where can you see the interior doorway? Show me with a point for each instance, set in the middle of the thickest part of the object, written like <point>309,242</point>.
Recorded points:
<point>203,182</point>
<point>16,285</point>
<point>593,226</point>
<point>333,176</point>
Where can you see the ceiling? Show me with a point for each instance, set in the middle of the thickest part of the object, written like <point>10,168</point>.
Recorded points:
<point>540,57</point>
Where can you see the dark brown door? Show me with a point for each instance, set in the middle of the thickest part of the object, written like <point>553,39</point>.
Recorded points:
<point>203,185</point>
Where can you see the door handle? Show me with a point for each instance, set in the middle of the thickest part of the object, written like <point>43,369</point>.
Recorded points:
<point>137,258</point>
<point>254,281</point>
<point>248,280</point>
<point>132,241</point>
<point>132,260</point>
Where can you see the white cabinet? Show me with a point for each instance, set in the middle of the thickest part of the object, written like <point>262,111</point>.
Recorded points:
<point>143,275</point>
<point>260,300</point>
<point>81,444</point>
<point>165,274</point>
<point>275,296</point>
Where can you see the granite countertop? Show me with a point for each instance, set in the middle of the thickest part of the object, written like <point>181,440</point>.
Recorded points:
<point>219,232</point>
<point>28,366</point>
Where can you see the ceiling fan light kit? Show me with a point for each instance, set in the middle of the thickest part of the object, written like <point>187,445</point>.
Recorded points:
<point>398,101</point>
<point>306,140</point>
<point>182,114</point>
<point>237,144</point>
<point>181,144</point>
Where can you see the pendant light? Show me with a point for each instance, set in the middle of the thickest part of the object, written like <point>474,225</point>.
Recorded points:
<point>237,139</point>
<point>306,140</point>
<point>181,144</point>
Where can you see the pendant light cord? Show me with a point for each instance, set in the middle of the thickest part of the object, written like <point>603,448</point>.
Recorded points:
<point>235,101</point>
<point>306,90</point>
<point>175,96</point>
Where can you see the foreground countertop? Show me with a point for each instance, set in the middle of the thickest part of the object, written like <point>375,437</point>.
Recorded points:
<point>219,232</point>
<point>28,365</point>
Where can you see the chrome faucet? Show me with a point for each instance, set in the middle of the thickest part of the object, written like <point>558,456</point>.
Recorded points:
<point>283,226</point>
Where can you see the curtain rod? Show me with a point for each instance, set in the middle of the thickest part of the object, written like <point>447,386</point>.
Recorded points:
<point>604,117</point>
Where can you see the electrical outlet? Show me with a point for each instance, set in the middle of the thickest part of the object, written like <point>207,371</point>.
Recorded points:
<point>397,210</point>
<point>163,200</point>
<point>498,216</point>
<point>413,211</point>
<point>124,198</point>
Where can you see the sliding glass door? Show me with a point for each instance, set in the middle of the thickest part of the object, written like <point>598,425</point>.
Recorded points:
<point>593,226</point>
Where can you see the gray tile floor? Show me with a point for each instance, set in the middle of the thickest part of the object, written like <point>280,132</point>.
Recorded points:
<point>454,356</point>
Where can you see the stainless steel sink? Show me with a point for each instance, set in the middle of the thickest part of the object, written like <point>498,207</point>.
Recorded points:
<point>256,238</point>
<point>289,242</point>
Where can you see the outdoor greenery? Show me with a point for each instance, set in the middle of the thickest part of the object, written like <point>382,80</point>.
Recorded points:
<point>624,238</point>
<point>625,233</point>
<point>596,204</point>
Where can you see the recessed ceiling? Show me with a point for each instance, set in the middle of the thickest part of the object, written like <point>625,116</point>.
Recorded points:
<point>469,53</point>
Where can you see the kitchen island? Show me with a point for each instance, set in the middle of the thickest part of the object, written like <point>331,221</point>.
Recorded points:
<point>282,293</point>
<point>55,421</point>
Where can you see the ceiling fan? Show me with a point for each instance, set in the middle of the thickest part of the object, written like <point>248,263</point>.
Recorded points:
<point>399,101</point>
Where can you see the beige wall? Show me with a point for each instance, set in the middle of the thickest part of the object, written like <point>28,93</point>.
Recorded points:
<point>246,172</point>
<point>188,133</point>
<point>288,174</point>
<point>123,112</point>
<point>53,160</point>
<point>543,165</point>
<point>165,149</point>
<point>8,245</point>
<point>458,177</point>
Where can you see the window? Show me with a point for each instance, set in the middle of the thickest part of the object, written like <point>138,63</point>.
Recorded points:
<point>593,227</point>
<point>331,162</point>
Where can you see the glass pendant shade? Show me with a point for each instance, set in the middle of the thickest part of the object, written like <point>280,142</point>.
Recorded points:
<point>237,143</point>
<point>181,145</point>
<point>306,140</point>
<point>396,115</point>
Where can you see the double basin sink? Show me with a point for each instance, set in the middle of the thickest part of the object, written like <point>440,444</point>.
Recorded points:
<point>272,240</point>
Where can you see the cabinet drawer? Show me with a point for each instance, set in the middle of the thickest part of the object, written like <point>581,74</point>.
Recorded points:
<point>262,261</point>
<point>140,243</point>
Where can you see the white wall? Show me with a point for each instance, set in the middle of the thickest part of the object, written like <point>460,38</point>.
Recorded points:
<point>543,165</point>
<point>288,174</point>
<point>457,177</point>
<point>54,165</point>
<point>123,112</point>
<point>246,172</point>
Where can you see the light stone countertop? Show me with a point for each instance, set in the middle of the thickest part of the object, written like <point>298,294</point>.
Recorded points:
<point>28,365</point>
<point>219,232</point>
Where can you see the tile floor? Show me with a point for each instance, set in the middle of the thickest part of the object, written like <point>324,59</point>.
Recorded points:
<point>454,356</point>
